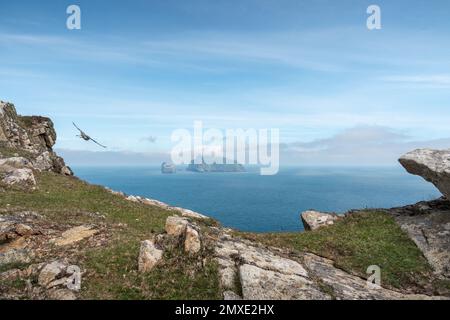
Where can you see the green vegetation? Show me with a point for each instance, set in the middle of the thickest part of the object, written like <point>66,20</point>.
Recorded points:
<point>14,265</point>
<point>25,121</point>
<point>67,199</point>
<point>358,241</point>
<point>112,270</point>
<point>13,152</point>
<point>362,239</point>
<point>178,277</point>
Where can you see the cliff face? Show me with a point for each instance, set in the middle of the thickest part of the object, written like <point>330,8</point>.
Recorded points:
<point>31,138</point>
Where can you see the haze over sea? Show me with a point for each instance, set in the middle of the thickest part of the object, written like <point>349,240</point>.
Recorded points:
<point>251,202</point>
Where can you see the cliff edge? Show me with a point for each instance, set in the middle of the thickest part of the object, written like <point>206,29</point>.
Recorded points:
<point>29,139</point>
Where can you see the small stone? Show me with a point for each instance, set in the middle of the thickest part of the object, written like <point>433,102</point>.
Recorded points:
<point>23,230</point>
<point>313,220</point>
<point>176,226</point>
<point>66,171</point>
<point>192,243</point>
<point>191,214</point>
<point>149,256</point>
<point>51,272</point>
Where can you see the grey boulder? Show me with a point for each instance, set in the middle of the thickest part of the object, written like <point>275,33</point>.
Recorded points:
<point>432,165</point>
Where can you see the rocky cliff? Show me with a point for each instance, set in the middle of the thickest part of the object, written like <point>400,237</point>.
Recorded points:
<point>26,146</point>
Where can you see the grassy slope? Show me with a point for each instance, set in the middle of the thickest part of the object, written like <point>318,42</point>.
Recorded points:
<point>354,243</point>
<point>112,271</point>
<point>360,240</point>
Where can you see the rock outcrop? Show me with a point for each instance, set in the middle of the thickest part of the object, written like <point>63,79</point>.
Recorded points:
<point>432,165</point>
<point>51,272</point>
<point>176,226</point>
<point>313,220</point>
<point>192,243</point>
<point>44,254</point>
<point>152,202</point>
<point>32,137</point>
<point>24,177</point>
<point>428,225</point>
<point>150,255</point>
<point>74,235</point>
<point>262,273</point>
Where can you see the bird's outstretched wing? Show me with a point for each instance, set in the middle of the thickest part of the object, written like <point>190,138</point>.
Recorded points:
<point>86,137</point>
<point>98,143</point>
<point>77,127</point>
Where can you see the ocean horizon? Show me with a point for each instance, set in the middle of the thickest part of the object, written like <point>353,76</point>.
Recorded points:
<point>247,201</point>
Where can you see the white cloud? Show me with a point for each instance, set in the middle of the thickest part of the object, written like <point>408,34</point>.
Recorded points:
<point>111,158</point>
<point>429,81</point>
<point>363,145</point>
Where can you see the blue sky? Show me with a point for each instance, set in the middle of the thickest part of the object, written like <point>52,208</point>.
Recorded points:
<point>142,69</point>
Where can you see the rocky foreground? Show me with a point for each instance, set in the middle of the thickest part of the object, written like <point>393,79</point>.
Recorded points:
<point>61,238</point>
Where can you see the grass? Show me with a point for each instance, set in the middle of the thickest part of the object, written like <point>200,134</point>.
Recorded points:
<point>14,265</point>
<point>26,121</point>
<point>178,277</point>
<point>12,152</point>
<point>362,239</point>
<point>67,198</point>
<point>111,271</point>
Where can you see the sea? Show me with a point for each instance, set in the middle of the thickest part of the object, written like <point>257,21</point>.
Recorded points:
<point>248,201</point>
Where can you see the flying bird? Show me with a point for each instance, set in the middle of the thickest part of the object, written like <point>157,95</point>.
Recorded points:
<point>85,137</point>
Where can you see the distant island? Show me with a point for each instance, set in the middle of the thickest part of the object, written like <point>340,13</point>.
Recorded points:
<point>215,167</point>
<point>168,168</point>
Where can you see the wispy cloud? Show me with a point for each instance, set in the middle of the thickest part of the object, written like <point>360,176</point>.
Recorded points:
<point>343,49</point>
<point>362,145</point>
<point>150,139</point>
<point>433,81</point>
<point>111,158</point>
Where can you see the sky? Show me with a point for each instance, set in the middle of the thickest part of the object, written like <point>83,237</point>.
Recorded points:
<point>340,94</point>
